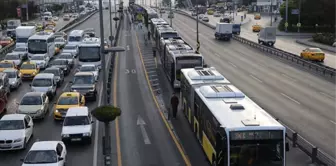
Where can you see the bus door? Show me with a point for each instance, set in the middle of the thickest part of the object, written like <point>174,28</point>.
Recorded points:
<point>221,147</point>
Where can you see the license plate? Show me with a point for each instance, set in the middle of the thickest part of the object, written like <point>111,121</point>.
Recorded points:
<point>5,146</point>
<point>76,139</point>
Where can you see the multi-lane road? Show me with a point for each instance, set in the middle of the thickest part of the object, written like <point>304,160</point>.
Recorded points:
<point>303,101</point>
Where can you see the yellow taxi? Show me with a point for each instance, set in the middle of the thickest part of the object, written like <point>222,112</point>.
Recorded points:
<point>51,23</point>
<point>314,54</point>
<point>256,28</point>
<point>29,70</point>
<point>6,65</point>
<point>66,101</point>
<point>257,16</point>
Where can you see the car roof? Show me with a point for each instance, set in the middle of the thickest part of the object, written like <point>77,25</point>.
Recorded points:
<point>33,94</point>
<point>84,73</point>
<point>52,68</point>
<point>44,145</point>
<point>66,94</point>
<point>13,117</point>
<point>88,65</point>
<point>4,61</point>
<point>44,75</point>
<point>78,111</point>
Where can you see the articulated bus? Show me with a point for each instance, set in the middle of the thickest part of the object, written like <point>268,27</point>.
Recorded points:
<point>165,32</point>
<point>176,57</point>
<point>89,52</point>
<point>154,23</point>
<point>42,43</point>
<point>174,41</point>
<point>233,130</point>
<point>151,14</point>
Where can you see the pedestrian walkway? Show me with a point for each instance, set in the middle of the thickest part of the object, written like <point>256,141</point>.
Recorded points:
<point>310,43</point>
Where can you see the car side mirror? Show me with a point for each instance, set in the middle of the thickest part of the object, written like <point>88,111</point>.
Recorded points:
<point>21,160</point>
<point>28,126</point>
<point>70,82</point>
<point>60,158</point>
<point>287,146</point>
<point>92,121</point>
<point>30,84</point>
<point>205,65</point>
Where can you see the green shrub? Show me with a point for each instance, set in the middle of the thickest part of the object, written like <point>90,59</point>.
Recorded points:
<point>324,38</point>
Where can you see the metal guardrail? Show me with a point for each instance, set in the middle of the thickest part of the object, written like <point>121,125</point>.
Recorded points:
<point>70,25</point>
<point>320,69</point>
<point>317,155</point>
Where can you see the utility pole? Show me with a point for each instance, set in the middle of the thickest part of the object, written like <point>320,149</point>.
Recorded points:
<point>115,12</point>
<point>27,15</point>
<point>197,38</point>
<point>299,16</point>
<point>111,32</point>
<point>271,12</point>
<point>286,15</point>
<point>171,14</point>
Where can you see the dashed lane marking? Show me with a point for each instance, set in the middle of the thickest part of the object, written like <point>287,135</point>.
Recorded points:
<point>295,101</point>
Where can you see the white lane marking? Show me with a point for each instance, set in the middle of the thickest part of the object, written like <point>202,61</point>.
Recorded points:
<point>333,122</point>
<point>290,98</point>
<point>66,85</point>
<point>329,96</point>
<point>95,146</point>
<point>288,77</point>
<point>141,123</point>
<point>127,47</point>
<point>233,64</point>
<point>257,79</point>
<point>217,55</point>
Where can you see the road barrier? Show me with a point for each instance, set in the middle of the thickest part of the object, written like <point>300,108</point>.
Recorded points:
<point>316,154</point>
<point>66,27</point>
<point>320,69</point>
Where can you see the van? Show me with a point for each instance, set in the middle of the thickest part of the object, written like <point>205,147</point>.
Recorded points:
<point>4,83</point>
<point>75,37</point>
<point>77,125</point>
<point>45,82</point>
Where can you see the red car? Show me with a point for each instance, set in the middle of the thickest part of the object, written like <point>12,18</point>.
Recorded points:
<point>5,41</point>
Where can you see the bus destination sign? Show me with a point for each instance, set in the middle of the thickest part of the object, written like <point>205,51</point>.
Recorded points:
<point>256,135</point>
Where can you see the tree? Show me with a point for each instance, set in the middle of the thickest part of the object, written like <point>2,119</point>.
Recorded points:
<point>106,113</point>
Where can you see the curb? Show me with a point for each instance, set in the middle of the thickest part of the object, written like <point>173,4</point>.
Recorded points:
<point>310,44</point>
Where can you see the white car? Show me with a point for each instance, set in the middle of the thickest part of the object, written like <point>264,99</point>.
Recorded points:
<point>69,57</point>
<point>71,49</point>
<point>23,51</point>
<point>42,61</point>
<point>200,16</point>
<point>55,18</point>
<point>66,17</point>
<point>90,68</point>
<point>60,42</point>
<point>15,131</point>
<point>14,78</point>
<point>46,153</point>
<point>35,104</point>
<point>205,19</point>
<point>77,125</point>
<point>14,57</point>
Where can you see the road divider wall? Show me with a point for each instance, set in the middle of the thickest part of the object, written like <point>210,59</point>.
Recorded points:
<point>66,27</point>
<point>316,154</point>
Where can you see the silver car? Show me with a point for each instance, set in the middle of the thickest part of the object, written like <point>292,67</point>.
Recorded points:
<point>71,49</point>
<point>205,19</point>
<point>22,51</point>
<point>42,61</point>
<point>90,68</point>
<point>14,78</point>
<point>69,57</point>
<point>35,104</point>
<point>60,42</point>
<point>16,58</point>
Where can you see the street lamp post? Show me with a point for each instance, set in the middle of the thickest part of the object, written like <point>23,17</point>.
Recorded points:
<point>197,38</point>
<point>271,12</point>
<point>27,16</point>
<point>111,32</point>
<point>115,12</point>
<point>171,14</point>
<point>286,15</point>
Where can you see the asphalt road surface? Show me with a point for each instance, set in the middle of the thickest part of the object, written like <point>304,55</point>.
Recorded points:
<point>47,129</point>
<point>303,101</point>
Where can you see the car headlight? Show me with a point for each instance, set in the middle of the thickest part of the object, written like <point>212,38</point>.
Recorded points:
<point>56,110</point>
<point>65,135</point>
<point>86,134</point>
<point>39,111</point>
<point>18,140</point>
<point>34,73</point>
<point>13,82</point>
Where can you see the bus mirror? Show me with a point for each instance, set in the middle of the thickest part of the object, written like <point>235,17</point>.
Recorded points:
<point>287,146</point>
<point>205,66</point>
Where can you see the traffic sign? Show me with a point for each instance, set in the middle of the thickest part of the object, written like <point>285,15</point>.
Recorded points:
<point>295,11</point>
<point>298,25</point>
<point>286,24</point>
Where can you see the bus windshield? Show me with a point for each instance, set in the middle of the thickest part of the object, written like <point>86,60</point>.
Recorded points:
<point>167,35</point>
<point>187,62</point>
<point>37,46</point>
<point>89,54</point>
<point>75,38</point>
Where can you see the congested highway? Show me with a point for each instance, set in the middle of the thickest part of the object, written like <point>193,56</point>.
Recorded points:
<point>48,129</point>
<point>284,41</point>
<point>284,91</point>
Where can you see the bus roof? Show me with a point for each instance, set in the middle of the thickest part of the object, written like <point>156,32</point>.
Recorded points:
<point>235,111</point>
<point>90,42</point>
<point>177,40</point>
<point>41,36</point>
<point>200,76</point>
<point>76,33</point>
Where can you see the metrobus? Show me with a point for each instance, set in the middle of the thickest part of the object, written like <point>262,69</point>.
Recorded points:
<point>175,41</point>
<point>235,131</point>
<point>151,14</point>
<point>42,43</point>
<point>89,52</point>
<point>165,32</point>
<point>156,22</point>
<point>75,37</point>
<point>177,57</point>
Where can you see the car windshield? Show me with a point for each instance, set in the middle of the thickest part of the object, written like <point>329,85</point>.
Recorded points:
<point>75,38</point>
<point>37,58</point>
<point>315,50</point>
<point>87,68</point>
<point>84,79</point>
<point>68,100</point>
<point>11,74</point>
<point>31,100</point>
<point>6,65</point>
<point>58,62</point>
<point>12,57</point>
<point>28,66</point>
<point>59,40</point>
<point>65,56</point>
<point>41,157</point>
<point>76,120</point>
<point>69,47</point>
<point>42,82</point>
<point>11,124</point>
<point>20,49</point>
<point>55,72</point>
